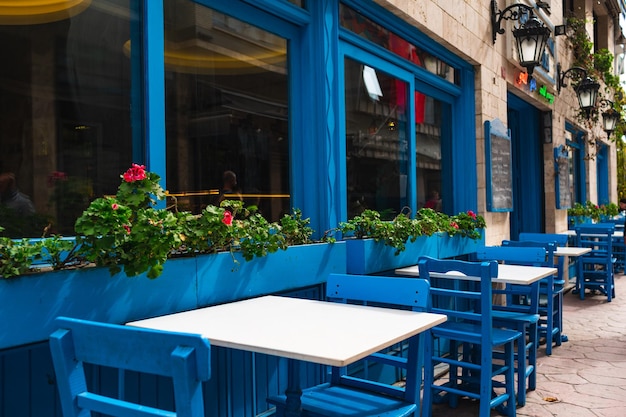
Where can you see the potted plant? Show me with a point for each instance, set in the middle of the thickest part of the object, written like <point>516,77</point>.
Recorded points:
<point>133,259</point>
<point>375,245</point>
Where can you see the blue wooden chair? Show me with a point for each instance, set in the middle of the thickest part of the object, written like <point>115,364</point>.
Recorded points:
<point>519,311</point>
<point>559,239</point>
<point>362,393</point>
<point>472,338</point>
<point>598,265</point>
<point>550,292</point>
<point>619,248</point>
<point>183,357</point>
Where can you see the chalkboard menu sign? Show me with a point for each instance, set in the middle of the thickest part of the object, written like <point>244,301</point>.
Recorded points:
<point>498,166</point>
<point>561,179</point>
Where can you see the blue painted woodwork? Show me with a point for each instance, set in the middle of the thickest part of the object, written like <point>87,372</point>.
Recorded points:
<point>596,269</point>
<point>528,177</point>
<point>519,310</point>
<point>576,146</point>
<point>453,246</point>
<point>550,290</point>
<point>186,283</point>
<point>366,256</point>
<point>185,358</point>
<point>559,239</point>
<point>469,324</point>
<point>347,394</point>
<point>240,383</point>
<point>219,280</point>
<point>602,173</point>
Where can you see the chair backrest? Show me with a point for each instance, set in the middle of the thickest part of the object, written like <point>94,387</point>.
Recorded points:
<point>550,258</point>
<point>467,300</point>
<point>598,237</point>
<point>559,239</point>
<point>521,298</point>
<point>391,292</point>
<point>183,357</point>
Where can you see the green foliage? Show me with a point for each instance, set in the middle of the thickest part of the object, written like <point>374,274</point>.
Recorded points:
<point>397,232</point>
<point>17,256</point>
<point>593,211</point>
<point>296,229</point>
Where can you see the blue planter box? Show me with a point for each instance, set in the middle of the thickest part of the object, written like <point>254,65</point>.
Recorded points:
<point>451,246</point>
<point>31,302</point>
<point>221,280</point>
<point>366,256</point>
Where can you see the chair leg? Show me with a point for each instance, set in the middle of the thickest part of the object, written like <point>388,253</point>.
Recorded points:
<point>429,378</point>
<point>510,381</point>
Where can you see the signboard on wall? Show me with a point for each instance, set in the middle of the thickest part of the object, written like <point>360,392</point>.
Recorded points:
<point>561,178</point>
<point>498,165</point>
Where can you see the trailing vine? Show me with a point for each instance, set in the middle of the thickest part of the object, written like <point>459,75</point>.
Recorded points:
<point>599,65</point>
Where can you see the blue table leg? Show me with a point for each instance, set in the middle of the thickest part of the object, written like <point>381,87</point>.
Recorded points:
<point>293,403</point>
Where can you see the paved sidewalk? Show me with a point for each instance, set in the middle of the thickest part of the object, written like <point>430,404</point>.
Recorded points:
<point>584,377</point>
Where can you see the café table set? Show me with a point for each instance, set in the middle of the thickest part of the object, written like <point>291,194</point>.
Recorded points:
<point>321,332</point>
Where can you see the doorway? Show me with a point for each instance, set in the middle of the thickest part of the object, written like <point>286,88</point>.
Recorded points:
<point>527,161</point>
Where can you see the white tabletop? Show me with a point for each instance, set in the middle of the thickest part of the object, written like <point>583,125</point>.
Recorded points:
<point>616,233</point>
<point>507,274</point>
<point>571,251</point>
<point>315,331</point>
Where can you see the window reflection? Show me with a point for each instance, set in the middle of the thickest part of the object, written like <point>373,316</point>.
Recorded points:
<point>357,23</point>
<point>65,112</point>
<point>226,109</point>
<point>376,141</point>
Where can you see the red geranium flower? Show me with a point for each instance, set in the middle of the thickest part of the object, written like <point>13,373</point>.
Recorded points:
<point>228,218</point>
<point>471,214</point>
<point>127,227</point>
<point>115,206</point>
<point>135,173</point>
<point>454,224</point>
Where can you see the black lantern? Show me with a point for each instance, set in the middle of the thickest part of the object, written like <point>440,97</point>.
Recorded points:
<point>586,90</point>
<point>610,118</point>
<point>531,36</point>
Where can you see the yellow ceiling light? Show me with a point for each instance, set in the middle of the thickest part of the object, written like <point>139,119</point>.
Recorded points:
<point>196,56</point>
<point>30,12</point>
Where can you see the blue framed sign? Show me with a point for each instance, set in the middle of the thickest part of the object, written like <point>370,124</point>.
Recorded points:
<point>498,166</point>
<point>562,184</point>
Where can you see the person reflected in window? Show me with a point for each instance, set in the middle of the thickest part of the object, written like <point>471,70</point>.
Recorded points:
<point>230,189</point>
<point>12,198</point>
<point>434,201</point>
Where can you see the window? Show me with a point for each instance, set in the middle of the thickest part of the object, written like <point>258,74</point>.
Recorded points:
<point>226,111</point>
<point>376,140</point>
<point>65,112</point>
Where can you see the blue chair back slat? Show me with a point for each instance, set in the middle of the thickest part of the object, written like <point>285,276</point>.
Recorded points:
<point>183,357</point>
<point>559,239</point>
<point>407,292</point>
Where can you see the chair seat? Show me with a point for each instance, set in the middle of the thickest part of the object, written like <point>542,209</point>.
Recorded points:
<point>338,400</point>
<point>470,333</point>
<point>517,316</point>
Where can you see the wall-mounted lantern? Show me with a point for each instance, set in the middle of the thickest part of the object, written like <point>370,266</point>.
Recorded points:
<point>610,118</point>
<point>586,89</point>
<point>531,36</point>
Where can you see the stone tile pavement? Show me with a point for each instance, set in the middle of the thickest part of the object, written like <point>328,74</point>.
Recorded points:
<point>584,377</point>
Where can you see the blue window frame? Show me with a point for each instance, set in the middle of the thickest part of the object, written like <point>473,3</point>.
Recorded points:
<point>602,171</point>
<point>577,167</point>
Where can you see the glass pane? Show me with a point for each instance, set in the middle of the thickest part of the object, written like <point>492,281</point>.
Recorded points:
<point>226,110</point>
<point>376,140</point>
<point>65,111</point>
<point>357,23</point>
<point>428,139</point>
